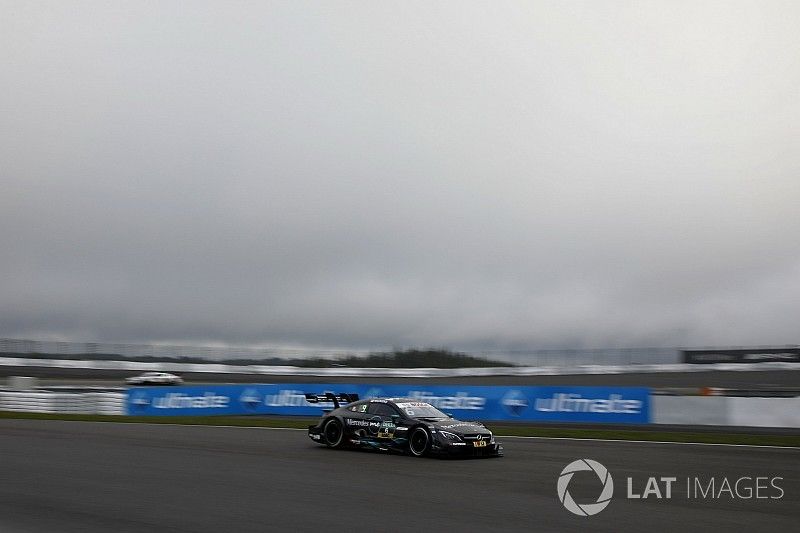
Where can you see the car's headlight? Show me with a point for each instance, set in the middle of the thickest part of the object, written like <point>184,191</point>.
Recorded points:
<point>449,436</point>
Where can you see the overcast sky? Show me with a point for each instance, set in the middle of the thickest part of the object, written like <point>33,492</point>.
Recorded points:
<point>377,174</point>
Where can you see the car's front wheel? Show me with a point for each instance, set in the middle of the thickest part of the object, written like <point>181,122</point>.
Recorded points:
<point>419,442</point>
<point>333,433</point>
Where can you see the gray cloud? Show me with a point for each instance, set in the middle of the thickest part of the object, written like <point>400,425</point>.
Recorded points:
<point>530,175</point>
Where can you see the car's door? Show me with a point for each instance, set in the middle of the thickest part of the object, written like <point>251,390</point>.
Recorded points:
<point>382,417</point>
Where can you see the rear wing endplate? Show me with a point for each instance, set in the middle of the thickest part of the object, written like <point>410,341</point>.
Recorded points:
<point>331,397</point>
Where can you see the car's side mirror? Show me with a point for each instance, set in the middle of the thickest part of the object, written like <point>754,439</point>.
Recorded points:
<point>449,414</point>
<point>395,419</point>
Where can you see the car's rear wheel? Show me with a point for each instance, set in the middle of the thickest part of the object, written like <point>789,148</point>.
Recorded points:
<point>333,433</point>
<point>419,442</point>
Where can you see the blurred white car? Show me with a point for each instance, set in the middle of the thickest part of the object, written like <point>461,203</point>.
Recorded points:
<point>154,378</point>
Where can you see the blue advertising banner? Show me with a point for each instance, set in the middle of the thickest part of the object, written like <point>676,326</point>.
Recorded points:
<point>618,405</point>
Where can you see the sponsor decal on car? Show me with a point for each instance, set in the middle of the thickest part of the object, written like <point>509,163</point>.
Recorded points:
<point>357,422</point>
<point>460,425</point>
<point>461,400</point>
<point>386,430</point>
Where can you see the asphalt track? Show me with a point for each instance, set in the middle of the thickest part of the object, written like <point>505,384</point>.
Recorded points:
<point>726,379</point>
<point>95,477</point>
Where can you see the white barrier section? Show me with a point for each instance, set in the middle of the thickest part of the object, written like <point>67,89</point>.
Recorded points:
<point>690,410</point>
<point>764,412</point>
<point>726,411</point>
<point>101,403</point>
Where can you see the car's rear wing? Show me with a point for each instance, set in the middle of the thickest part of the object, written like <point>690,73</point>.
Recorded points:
<point>331,397</point>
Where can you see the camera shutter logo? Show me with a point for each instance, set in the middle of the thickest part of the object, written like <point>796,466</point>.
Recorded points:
<point>585,509</point>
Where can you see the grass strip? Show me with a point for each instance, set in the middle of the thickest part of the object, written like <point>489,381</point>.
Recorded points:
<point>499,429</point>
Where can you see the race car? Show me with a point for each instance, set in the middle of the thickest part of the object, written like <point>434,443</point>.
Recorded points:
<point>154,378</point>
<point>403,425</point>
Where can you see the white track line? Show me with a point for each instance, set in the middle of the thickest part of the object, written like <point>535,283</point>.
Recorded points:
<point>653,442</point>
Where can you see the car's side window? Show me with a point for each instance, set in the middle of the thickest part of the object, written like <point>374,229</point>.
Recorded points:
<point>381,409</point>
<point>358,408</point>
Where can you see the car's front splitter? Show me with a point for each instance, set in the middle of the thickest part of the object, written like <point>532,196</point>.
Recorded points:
<point>467,449</point>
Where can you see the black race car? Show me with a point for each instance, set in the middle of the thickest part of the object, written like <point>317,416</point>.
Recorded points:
<point>399,424</point>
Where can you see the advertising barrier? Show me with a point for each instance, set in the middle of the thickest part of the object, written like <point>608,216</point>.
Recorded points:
<point>618,405</point>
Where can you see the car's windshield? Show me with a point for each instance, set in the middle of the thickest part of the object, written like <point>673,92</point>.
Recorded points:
<point>421,410</point>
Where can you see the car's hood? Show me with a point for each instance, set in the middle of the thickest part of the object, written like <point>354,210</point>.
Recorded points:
<point>460,428</point>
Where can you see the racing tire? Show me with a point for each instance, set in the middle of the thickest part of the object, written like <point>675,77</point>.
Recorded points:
<point>419,442</point>
<point>333,433</point>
